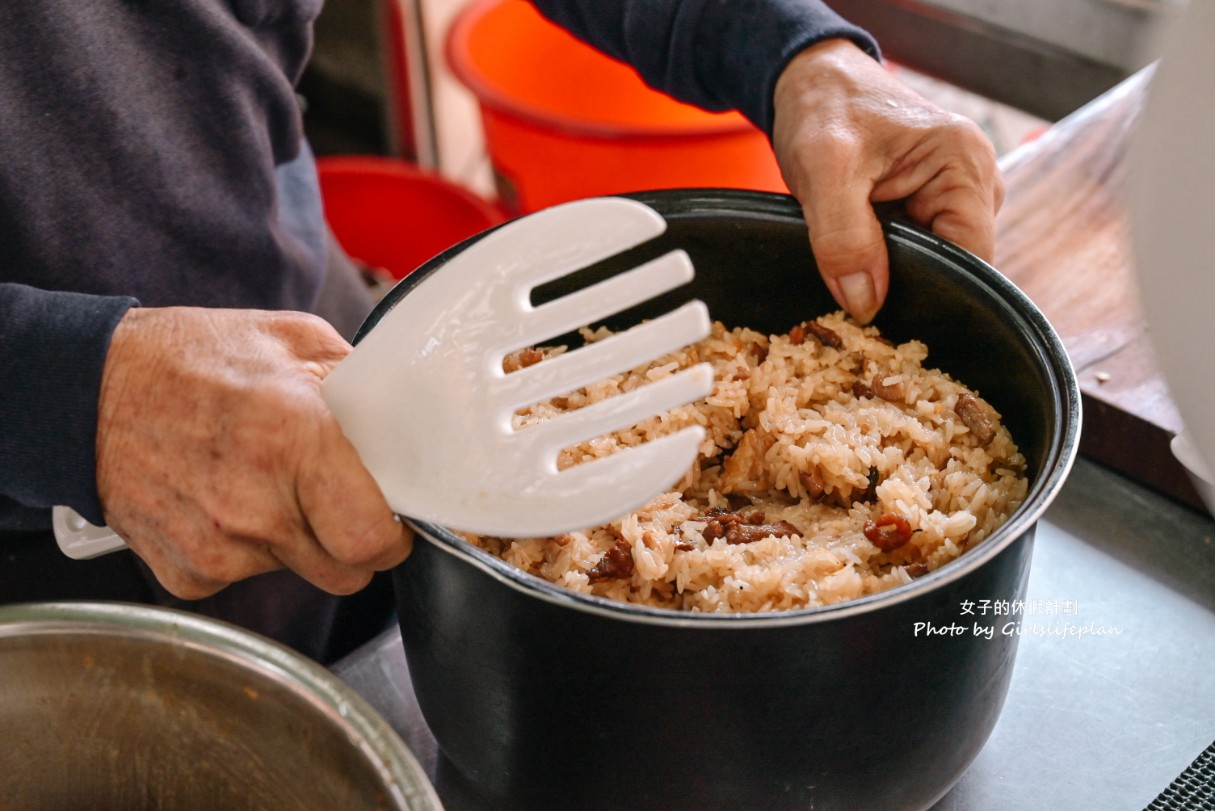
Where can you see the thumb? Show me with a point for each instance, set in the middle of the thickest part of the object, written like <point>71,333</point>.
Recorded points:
<point>850,250</point>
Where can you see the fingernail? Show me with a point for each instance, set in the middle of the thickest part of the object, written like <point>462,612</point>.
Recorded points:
<point>857,289</point>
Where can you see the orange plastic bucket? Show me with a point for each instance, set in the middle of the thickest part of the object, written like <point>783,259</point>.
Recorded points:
<point>392,215</point>
<point>563,121</point>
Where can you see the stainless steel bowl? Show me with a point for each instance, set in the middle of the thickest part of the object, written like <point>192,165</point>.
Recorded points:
<point>114,706</point>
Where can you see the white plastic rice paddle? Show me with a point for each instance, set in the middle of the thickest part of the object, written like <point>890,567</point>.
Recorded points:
<point>425,400</point>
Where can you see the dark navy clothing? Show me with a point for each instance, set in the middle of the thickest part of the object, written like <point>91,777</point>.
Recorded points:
<point>140,148</point>
<point>716,54</point>
<point>151,153</point>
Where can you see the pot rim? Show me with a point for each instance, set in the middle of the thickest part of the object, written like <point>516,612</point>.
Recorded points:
<point>1063,447</point>
<point>401,773</point>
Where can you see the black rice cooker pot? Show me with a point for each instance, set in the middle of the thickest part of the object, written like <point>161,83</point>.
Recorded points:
<point>543,698</point>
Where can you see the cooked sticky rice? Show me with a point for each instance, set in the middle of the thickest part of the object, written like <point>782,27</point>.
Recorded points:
<point>835,465</point>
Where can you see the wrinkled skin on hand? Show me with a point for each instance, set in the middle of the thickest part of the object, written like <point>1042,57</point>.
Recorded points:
<point>849,134</point>
<point>217,459</point>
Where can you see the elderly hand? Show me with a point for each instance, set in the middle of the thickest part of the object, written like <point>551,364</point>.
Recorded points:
<point>217,458</point>
<point>849,134</point>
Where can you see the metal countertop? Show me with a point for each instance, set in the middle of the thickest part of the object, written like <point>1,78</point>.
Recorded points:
<point>1104,720</point>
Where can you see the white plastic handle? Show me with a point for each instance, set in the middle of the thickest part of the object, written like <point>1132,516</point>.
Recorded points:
<point>80,540</point>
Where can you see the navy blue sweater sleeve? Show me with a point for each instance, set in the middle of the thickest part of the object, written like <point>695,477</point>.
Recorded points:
<point>716,54</point>
<point>52,352</point>
<point>149,152</point>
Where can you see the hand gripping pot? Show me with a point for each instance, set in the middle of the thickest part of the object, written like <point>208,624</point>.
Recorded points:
<point>543,698</point>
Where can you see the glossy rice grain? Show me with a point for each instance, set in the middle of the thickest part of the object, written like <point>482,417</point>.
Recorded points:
<point>813,437</point>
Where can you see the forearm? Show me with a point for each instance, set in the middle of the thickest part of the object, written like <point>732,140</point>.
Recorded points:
<point>151,159</point>
<point>52,351</point>
<point>716,54</point>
